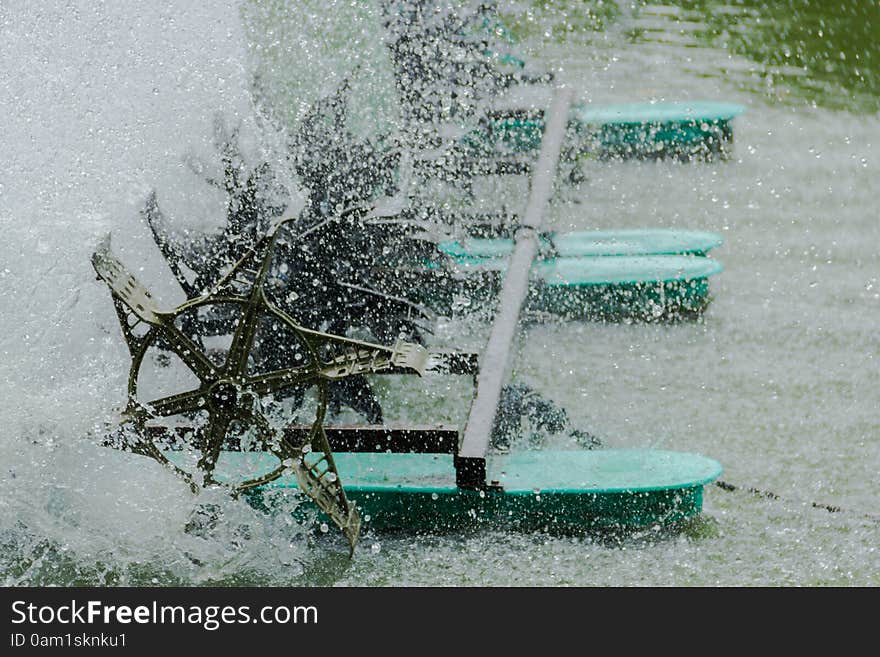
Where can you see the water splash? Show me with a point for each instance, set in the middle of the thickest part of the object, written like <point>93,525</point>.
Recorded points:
<point>103,103</point>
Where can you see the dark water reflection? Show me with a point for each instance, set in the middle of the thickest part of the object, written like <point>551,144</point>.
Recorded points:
<point>803,51</point>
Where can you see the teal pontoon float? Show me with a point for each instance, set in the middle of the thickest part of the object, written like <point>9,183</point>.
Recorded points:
<point>557,490</point>
<point>698,129</point>
<point>590,243</point>
<point>683,129</point>
<point>648,274</point>
<point>643,288</point>
<point>645,130</point>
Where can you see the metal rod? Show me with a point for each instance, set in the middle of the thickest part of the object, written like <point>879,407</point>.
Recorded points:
<point>495,359</point>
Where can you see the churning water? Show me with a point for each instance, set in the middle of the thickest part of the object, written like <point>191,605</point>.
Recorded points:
<point>777,380</point>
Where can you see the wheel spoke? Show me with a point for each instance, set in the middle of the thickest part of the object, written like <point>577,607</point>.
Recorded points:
<point>266,433</point>
<point>263,479</point>
<point>278,380</point>
<point>184,402</point>
<point>189,353</point>
<point>243,338</point>
<point>214,436</point>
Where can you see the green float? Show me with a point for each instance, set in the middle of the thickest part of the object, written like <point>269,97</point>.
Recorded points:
<point>643,130</point>
<point>531,489</point>
<point>660,287</point>
<point>627,242</point>
<point>700,129</point>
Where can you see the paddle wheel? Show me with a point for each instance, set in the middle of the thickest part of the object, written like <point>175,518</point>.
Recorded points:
<point>242,387</point>
<point>268,359</point>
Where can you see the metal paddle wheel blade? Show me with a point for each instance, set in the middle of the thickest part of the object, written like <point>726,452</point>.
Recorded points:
<point>318,478</point>
<point>268,359</point>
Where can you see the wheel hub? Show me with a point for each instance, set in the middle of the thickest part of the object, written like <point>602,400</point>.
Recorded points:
<point>223,396</point>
